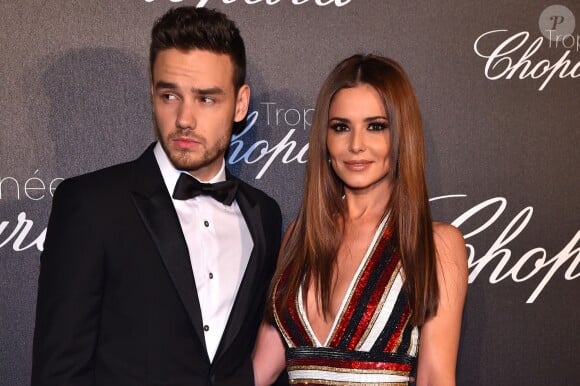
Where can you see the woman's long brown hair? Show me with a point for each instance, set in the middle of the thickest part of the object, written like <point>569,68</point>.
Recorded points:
<point>311,248</point>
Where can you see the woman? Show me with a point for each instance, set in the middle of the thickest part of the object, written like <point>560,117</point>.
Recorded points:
<point>366,283</point>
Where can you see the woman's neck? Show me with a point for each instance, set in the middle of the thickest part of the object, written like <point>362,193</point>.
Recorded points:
<point>370,203</point>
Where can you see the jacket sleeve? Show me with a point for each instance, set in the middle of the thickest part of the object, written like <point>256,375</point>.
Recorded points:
<point>70,290</point>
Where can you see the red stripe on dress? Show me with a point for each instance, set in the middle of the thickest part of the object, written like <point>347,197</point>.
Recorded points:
<point>360,287</point>
<point>347,364</point>
<point>346,317</point>
<point>395,339</point>
<point>373,303</point>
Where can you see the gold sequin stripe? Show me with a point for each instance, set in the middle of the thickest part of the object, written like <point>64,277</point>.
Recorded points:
<point>348,370</point>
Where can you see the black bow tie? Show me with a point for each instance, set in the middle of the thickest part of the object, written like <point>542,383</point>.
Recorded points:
<point>188,187</point>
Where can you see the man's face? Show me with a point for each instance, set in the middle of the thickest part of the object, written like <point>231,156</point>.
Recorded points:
<point>195,105</point>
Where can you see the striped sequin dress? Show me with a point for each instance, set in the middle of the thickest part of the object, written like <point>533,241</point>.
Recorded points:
<point>372,341</point>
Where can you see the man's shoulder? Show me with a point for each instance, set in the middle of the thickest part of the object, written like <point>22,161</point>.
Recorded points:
<point>257,194</point>
<point>110,178</point>
<point>107,177</point>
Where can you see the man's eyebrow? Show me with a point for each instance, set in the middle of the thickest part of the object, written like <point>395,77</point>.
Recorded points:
<point>207,91</point>
<point>161,84</point>
<point>195,90</point>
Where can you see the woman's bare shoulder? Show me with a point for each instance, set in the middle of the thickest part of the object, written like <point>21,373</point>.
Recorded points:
<point>448,240</point>
<point>451,255</point>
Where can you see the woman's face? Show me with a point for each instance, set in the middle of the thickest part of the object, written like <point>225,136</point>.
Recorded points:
<point>358,139</point>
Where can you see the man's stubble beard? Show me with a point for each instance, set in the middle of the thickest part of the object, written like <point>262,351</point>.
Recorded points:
<point>189,161</point>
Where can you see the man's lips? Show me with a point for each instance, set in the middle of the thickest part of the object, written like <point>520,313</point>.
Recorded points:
<point>185,142</point>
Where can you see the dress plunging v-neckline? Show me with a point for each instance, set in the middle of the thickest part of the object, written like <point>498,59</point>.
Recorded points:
<point>347,296</point>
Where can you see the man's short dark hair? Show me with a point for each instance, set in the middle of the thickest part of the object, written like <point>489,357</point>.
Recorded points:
<point>188,28</point>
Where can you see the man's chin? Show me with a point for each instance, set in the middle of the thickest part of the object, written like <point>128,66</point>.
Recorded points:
<point>187,165</point>
<point>190,164</point>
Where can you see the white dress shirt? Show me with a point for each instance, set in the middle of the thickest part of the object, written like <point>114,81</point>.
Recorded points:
<point>219,245</point>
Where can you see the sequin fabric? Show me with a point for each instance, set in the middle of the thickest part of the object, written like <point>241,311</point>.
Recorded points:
<point>372,341</point>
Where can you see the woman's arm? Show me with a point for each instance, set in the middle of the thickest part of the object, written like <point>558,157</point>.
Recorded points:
<point>439,339</point>
<point>269,355</point>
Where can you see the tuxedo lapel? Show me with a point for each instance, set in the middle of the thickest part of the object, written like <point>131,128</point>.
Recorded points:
<point>158,214</point>
<point>246,293</point>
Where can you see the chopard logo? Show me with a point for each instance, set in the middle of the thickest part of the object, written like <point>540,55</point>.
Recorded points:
<point>534,263</point>
<point>517,55</point>
<point>286,149</point>
<point>320,3</point>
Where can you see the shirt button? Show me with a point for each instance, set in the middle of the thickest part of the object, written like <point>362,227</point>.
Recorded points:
<point>206,328</point>
<point>206,223</point>
<point>211,275</point>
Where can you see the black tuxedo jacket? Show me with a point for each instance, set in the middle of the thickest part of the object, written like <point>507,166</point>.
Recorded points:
<point>117,301</point>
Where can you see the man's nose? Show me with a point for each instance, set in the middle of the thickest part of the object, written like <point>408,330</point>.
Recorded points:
<point>186,115</point>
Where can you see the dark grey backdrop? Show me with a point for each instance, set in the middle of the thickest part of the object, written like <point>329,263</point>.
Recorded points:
<point>502,154</point>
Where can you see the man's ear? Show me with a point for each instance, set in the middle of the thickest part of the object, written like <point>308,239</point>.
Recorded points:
<point>242,103</point>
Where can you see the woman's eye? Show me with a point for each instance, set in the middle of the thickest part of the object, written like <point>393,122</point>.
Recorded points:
<point>378,126</point>
<point>339,127</point>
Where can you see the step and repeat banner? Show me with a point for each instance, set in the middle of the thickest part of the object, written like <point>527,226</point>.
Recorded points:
<point>499,87</point>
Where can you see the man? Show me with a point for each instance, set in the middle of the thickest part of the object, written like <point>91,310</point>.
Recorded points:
<point>146,278</point>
